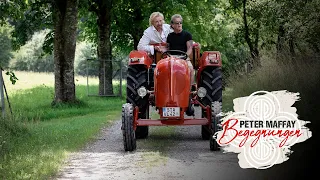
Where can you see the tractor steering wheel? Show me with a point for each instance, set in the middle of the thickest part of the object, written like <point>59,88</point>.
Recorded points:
<point>168,53</point>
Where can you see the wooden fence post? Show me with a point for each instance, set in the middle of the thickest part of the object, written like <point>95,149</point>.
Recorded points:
<point>2,95</point>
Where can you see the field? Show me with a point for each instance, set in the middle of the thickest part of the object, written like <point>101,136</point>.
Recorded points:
<point>27,80</point>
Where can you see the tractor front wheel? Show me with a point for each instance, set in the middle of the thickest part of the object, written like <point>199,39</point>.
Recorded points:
<point>211,80</point>
<point>215,124</point>
<point>129,138</point>
<point>137,77</point>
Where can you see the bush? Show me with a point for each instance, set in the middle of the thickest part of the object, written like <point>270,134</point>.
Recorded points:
<point>84,51</point>
<point>31,57</point>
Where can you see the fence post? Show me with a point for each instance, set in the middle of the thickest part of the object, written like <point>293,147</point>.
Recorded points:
<point>120,79</point>
<point>2,95</point>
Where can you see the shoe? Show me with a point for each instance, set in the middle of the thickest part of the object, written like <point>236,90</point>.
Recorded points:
<point>190,111</point>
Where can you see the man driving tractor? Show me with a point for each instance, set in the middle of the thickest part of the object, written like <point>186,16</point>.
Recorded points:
<point>181,40</point>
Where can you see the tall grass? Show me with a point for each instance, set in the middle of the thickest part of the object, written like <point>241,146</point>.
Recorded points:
<point>301,75</point>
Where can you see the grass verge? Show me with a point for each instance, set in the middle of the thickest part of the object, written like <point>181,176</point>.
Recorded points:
<point>35,142</point>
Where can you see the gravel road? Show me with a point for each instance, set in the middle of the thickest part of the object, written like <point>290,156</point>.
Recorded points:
<point>170,153</point>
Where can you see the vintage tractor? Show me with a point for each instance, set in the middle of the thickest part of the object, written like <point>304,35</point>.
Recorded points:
<point>163,81</point>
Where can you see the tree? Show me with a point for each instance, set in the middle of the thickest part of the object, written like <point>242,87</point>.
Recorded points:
<point>65,18</point>
<point>30,16</point>
<point>103,10</point>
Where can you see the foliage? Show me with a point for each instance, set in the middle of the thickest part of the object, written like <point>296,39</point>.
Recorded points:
<point>288,28</point>
<point>31,57</point>
<point>84,51</point>
<point>13,77</point>
<point>5,45</point>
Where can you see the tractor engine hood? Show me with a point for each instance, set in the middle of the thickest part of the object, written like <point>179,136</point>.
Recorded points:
<point>172,83</point>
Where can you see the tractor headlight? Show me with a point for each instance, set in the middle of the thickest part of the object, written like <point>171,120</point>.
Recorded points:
<point>142,91</point>
<point>201,92</point>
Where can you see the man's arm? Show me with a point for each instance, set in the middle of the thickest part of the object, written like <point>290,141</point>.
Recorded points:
<point>189,47</point>
<point>144,43</point>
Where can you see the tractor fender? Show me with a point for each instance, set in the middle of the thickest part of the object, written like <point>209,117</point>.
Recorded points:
<point>140,57</point>
<point>209,58</point>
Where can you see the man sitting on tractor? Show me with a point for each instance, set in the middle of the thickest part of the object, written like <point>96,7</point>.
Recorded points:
<point>155,34</point>
<point>181,40</point>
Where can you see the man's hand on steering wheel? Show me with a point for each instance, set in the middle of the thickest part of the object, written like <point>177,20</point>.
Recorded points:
<point>169,53</point>
<point>157,48</point>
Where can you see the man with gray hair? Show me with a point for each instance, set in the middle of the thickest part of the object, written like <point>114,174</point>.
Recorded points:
<point>155,34</point>
<point>181,40</point>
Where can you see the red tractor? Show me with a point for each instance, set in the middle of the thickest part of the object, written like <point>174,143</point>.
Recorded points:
<point>163,81</point>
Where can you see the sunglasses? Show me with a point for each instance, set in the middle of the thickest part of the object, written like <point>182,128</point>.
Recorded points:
<point>177,23</point>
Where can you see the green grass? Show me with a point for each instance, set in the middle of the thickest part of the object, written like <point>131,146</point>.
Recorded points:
<point>36,141</point>
<point>35,104</point>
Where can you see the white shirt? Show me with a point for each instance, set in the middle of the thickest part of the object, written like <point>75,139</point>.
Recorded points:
<point>152,36</point>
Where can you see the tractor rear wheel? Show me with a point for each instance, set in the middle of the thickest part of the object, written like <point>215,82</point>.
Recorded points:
<point>129,138</point>
<point>215,124</point>
<point>211,80</point>
<point>136,78</point>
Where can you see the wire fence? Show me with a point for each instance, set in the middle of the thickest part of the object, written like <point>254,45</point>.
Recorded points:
<point>99,86</point>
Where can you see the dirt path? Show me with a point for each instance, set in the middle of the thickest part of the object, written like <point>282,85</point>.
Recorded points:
<point>168,153</point>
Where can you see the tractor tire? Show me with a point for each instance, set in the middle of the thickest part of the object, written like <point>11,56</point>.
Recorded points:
<point>129,138</point>
<point>215,124</point>
<point>205,132</point>
<point>137,77</point>
<point>211,80</point>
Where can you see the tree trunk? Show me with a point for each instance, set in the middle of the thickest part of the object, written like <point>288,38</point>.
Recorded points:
<point>104,48</point>
<point>280,41</point>
<point>136,39</point>
<point>65,28</point>
<point>254,51</point>
<point>137,30</point>
<point>291,46</point>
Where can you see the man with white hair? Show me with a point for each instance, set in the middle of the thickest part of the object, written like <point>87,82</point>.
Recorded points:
<point>155,34</point>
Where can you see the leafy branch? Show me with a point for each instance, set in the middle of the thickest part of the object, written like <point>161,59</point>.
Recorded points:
<point>13,77</point>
